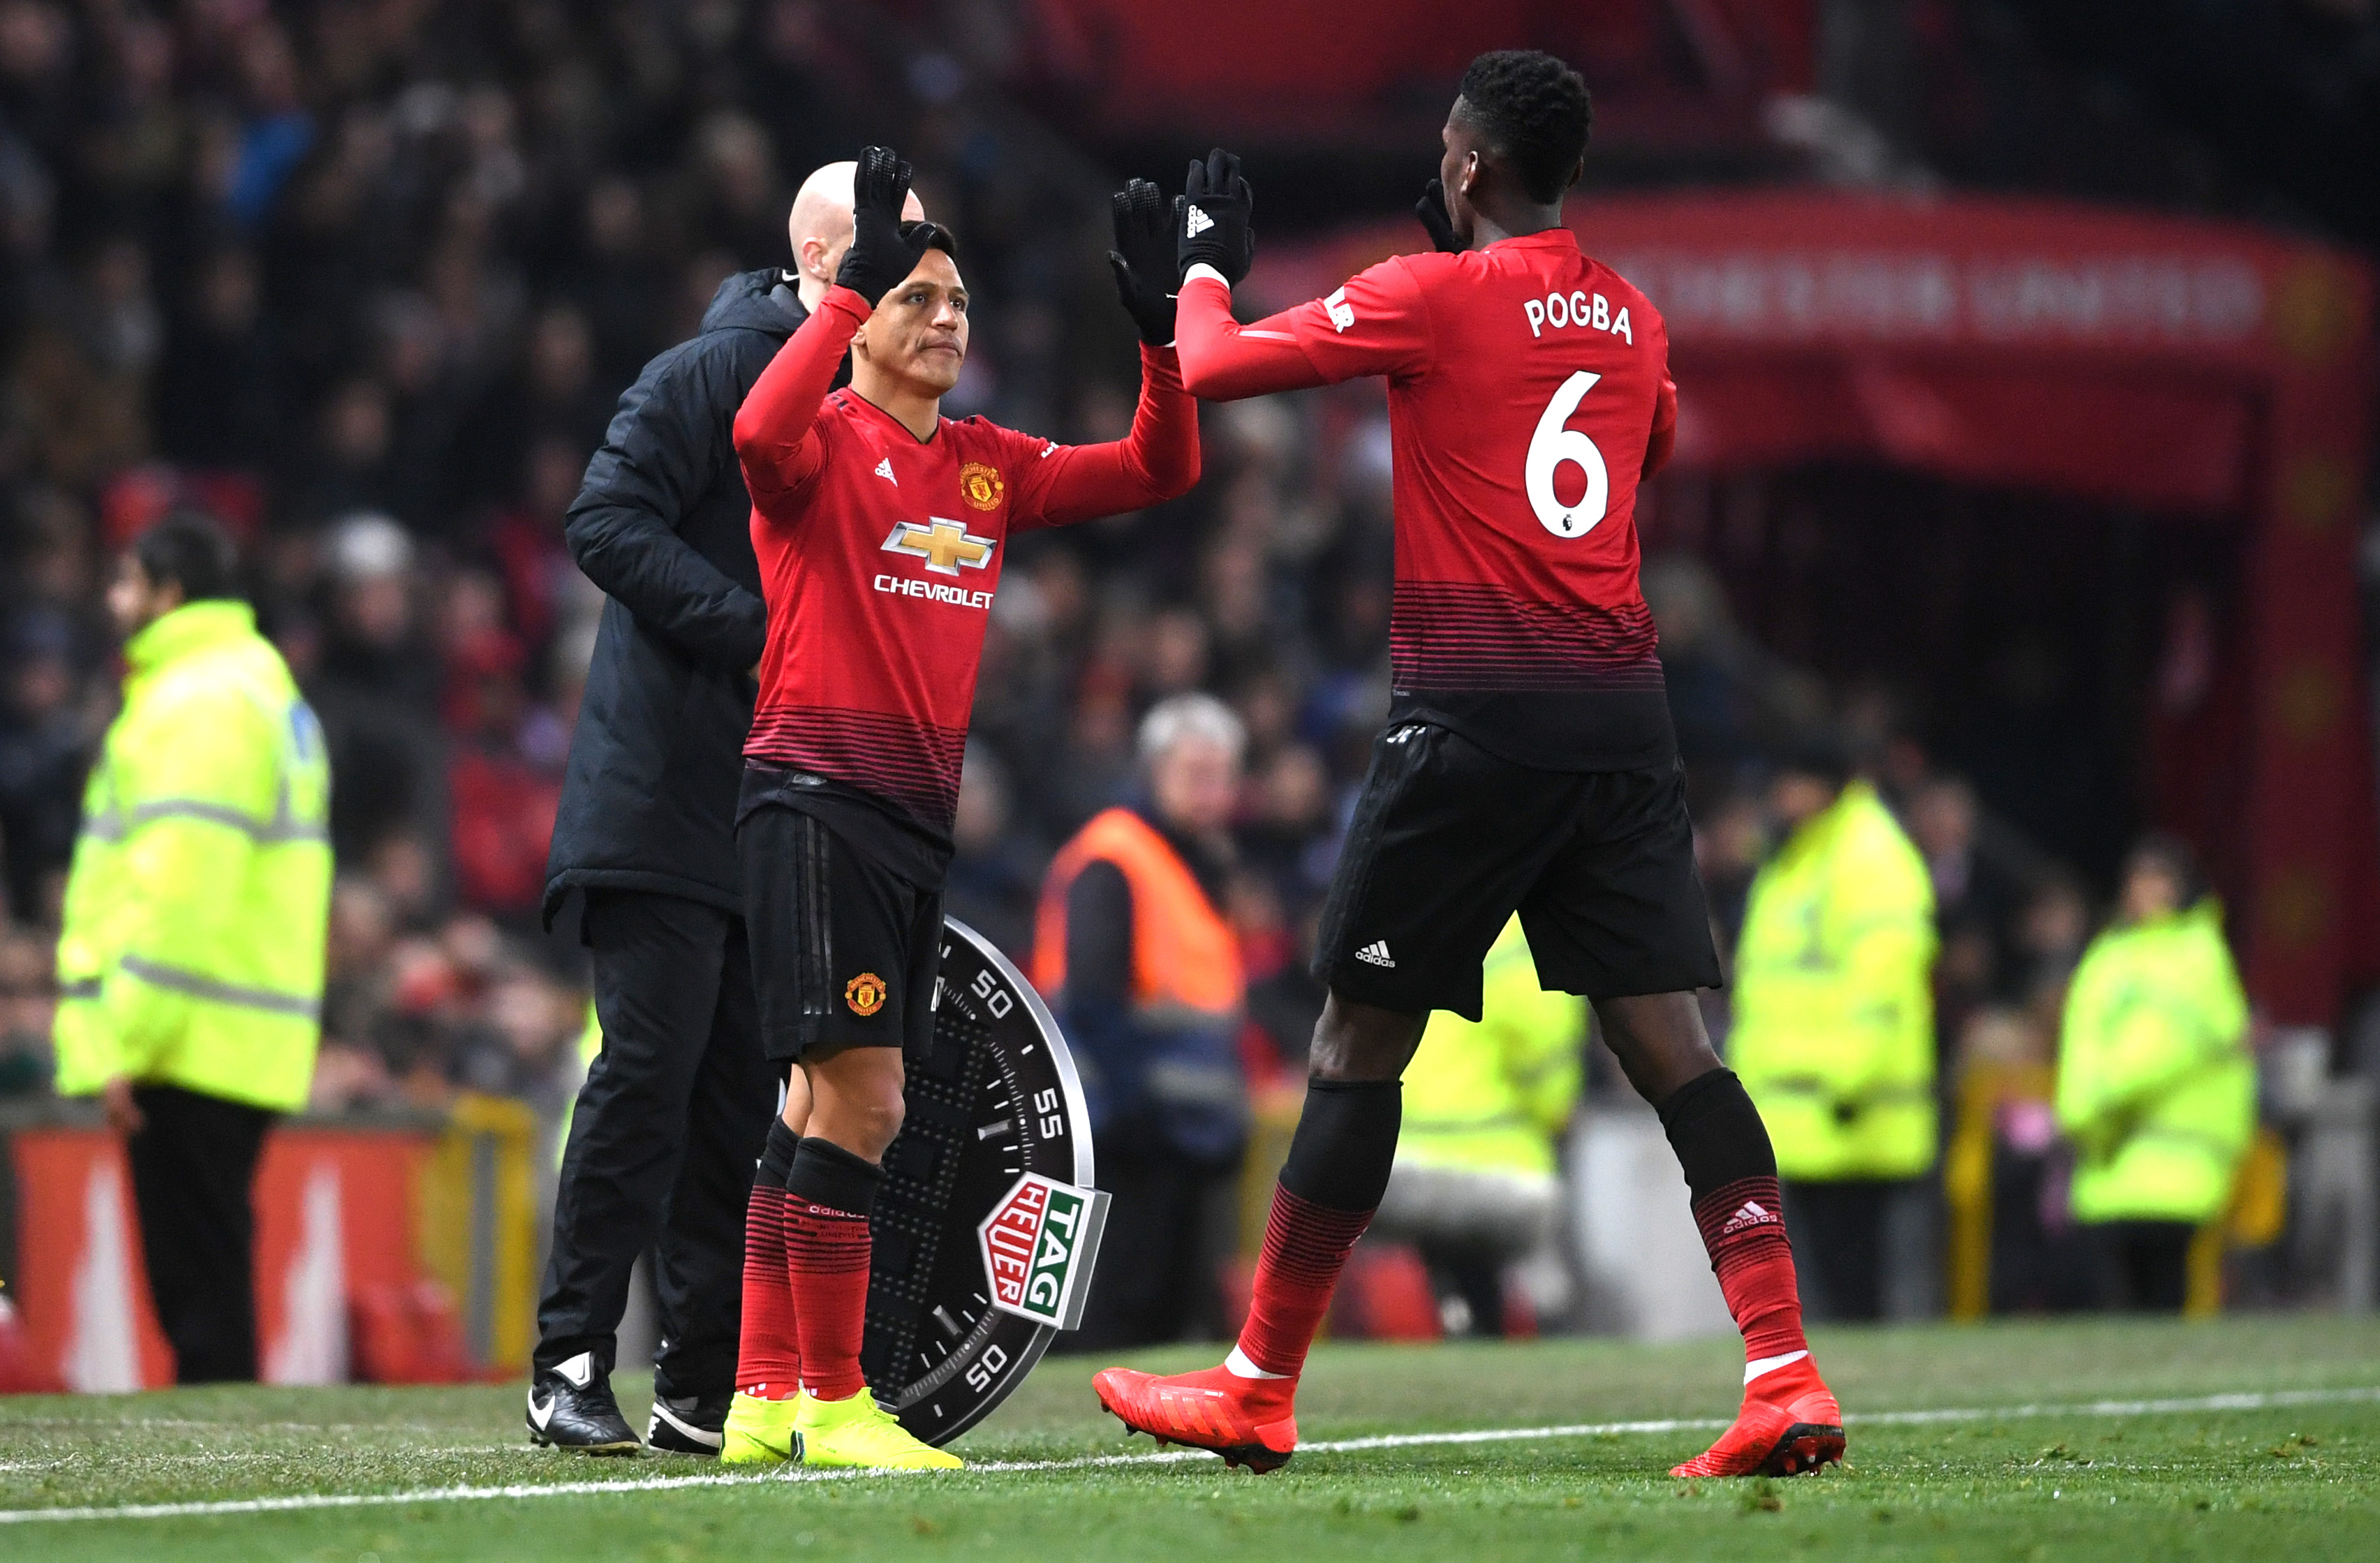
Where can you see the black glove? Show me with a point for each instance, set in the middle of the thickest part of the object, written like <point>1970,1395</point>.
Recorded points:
<point>1431,210</point>
<point>880,257</point>
<point>1211,218</point>
<point>1144,261</point>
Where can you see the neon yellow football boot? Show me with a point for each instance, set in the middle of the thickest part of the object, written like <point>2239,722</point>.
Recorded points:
<point>759,1432</point>
<point>859,1433</point>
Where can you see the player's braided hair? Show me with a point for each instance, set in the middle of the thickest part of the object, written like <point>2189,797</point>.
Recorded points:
<point>1535,110</point>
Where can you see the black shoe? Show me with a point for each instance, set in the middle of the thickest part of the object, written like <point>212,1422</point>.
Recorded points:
<point>571,1408</point>
<point>689,1424</point>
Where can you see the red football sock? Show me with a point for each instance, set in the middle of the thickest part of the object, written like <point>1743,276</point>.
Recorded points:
<point>1305,1246</point>
<point>826,1264</point>
<point>768,1357</point>
<point>1743,1228</point>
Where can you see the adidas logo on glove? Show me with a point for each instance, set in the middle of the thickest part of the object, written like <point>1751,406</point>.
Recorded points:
<point>1377,952</point>
<point>1195,222</point>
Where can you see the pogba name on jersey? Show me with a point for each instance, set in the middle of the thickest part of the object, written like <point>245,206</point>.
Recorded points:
<point>1588,312</point>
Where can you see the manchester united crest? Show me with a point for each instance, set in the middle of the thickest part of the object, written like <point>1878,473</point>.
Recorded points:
<point>979,484</point>
<point>864,993</point>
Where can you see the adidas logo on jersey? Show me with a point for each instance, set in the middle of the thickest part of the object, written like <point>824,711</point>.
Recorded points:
<point>1377,954</point>
<point>1750,1213</point>
<point>1195,222</point>
<point>884,470</point>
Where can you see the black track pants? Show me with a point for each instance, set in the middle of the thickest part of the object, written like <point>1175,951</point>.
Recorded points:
<point>662,1141</point>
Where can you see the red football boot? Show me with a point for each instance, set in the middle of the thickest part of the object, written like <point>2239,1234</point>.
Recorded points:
<point>1247,1421</point>
<point>1790,1425</point>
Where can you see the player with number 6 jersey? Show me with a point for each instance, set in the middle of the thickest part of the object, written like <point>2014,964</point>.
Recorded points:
<point>1529,392</point>
<point>1528,763</point>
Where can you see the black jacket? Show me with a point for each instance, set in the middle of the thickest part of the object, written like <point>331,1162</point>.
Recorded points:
<point>664,526</point>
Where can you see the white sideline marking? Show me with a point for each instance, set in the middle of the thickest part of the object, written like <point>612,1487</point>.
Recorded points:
<point>2239,1401</point>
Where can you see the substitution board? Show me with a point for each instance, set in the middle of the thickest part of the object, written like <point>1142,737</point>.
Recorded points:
<point>986,1224</point>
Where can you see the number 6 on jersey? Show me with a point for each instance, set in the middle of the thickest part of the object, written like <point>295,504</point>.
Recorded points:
<point>1552,445</point>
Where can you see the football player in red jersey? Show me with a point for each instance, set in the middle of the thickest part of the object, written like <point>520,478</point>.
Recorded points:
<point>881,528</point>
<point>1528,763</point>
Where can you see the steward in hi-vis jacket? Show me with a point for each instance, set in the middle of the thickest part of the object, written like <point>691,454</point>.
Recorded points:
<point>190,964</point>
<point>1144,971</point>
<point>1834,1023</point>
<point>2156,1087</point>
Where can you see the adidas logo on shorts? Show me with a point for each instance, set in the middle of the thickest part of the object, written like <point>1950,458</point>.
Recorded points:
<point>1377,954</point>
<point>1750,1213</point>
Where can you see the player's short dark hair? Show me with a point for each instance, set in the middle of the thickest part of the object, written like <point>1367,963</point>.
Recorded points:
<point>933,235</point>
<point>1535,111</point>
<point>191,549</point>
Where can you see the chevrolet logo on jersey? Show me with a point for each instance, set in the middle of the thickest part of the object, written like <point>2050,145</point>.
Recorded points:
<point>945,546</point>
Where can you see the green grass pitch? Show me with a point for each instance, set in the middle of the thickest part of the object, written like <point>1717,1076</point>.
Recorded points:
<point>2104,1439</point>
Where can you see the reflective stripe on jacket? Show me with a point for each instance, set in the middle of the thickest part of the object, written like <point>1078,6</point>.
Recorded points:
<point>2155,1084</point>
<point>199,896</point>
<point>1493,1095</point>
<point>1833,1032</point>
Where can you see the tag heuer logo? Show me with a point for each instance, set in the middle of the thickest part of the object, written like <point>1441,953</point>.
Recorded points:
<point>1038,1246</point>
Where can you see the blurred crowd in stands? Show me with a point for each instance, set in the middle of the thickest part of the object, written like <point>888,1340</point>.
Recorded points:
<point>365,278</point>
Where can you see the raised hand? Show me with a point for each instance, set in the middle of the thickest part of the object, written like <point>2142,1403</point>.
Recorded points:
<point>879,258</point>
<point>1431,210</point>
<point>1211,218</point>
<point>1144,260</point>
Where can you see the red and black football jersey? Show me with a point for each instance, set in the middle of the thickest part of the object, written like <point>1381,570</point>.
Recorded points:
<point>1526,383</point>
<point>880,553</point>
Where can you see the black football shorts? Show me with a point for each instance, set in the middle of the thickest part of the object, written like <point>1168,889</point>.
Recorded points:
<point>1449,841</point>
<point>845,952</point>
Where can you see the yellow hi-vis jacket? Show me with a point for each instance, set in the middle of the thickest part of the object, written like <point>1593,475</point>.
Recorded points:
<point>1491,1096</point>
<point>2155,1084</point>
<point>1834,1005</point>
<point>199,897</point>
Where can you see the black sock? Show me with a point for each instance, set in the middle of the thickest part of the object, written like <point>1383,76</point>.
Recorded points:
<point>1346,1139</point>
<point>1717,1132</point>
<point>824,1173</point>
<point>777,1154</point>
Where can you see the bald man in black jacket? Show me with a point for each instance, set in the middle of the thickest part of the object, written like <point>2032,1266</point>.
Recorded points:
<point>673,1113</point>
